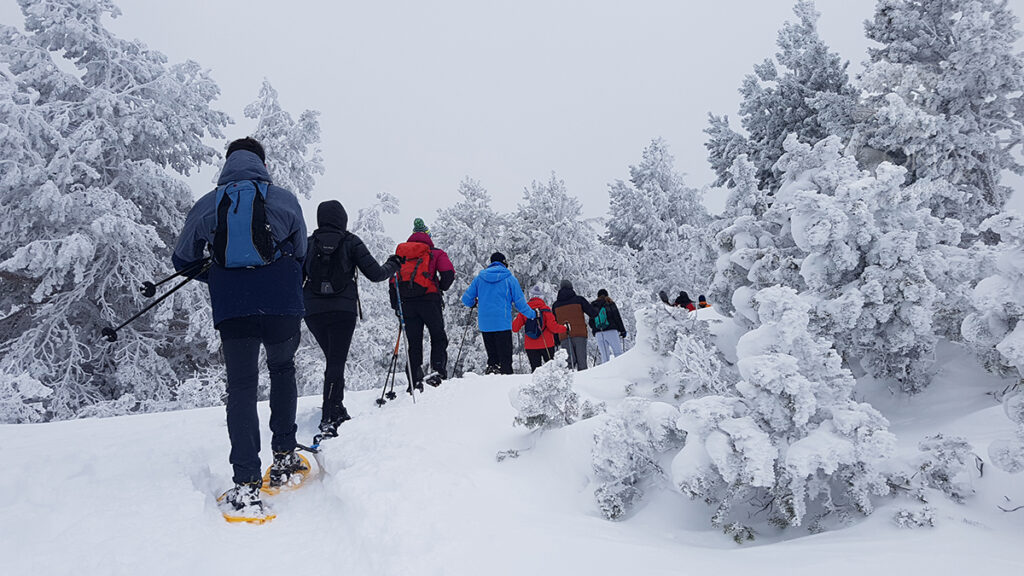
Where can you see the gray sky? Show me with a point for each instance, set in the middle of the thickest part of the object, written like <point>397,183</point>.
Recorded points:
<point>417,95</point>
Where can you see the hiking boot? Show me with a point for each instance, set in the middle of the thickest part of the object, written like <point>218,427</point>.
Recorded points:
<point>492,369</point>
<point>244,496</point>
<point>285,464</point>
<point>417,385</point>
<point>329,425</point>
<point>434,379</point>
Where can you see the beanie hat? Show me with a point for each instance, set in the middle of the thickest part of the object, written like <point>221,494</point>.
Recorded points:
<point>419,226</point>
<point>249,144</point>
<point>536,292</point>
<point>565,284</point>
<point>602,293</point>
<point>499,257</point>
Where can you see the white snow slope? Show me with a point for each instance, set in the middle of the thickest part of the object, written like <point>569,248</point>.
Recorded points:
<point>415,489</point>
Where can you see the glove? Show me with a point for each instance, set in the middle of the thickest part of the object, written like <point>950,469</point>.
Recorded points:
<point>396,260</point>
<point>622,335</point>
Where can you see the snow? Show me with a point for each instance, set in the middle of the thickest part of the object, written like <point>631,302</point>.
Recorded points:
<point>416,489</point>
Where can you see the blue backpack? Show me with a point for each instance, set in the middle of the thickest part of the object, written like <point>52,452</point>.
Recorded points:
<point>243,238</point>
<point>534,327</point>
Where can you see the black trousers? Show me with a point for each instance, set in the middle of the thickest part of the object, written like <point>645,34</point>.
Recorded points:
<point>241,339</point>
<point>539,357</point>
<point>420,313</point>
<point>333,332</point>
<point>499,350</point>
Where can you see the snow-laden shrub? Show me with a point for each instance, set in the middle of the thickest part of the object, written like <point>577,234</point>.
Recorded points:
<point>1008,453</point>
<point>790,434</point>
<point>689,363</point>
<point>203,389</point>
<point>626,451</point>
<point>943,464</point>
<point>549,401</point>
<point>906,518</point>
<point>21,398</point>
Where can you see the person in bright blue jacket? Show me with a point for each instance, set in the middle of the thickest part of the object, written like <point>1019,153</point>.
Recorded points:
<point>495,290</point>
<point>253,306</point>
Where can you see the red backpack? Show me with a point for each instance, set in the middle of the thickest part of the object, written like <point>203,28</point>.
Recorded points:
<point>416,276</point>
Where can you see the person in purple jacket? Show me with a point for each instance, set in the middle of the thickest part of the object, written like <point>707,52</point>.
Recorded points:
<point>252,307</point>
<point>495,290</point>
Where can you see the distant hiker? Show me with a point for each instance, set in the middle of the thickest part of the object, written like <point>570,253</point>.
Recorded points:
<point>426,272</point>
<point>540,331</point>
<point>257,238</point>
<point>331,296</point>
<point>569,309</point>
<point>683,301</point>
<point>702,302</point>
<point>607,326</point>
<point>495,290</point>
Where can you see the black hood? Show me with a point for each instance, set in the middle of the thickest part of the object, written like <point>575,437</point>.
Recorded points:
<point>331,214</point>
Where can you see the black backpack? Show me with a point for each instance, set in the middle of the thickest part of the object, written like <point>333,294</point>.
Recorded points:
<point>534,327</point>
<point>328,269</point>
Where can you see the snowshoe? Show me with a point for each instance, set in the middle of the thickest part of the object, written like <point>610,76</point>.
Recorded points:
<point>289,471</point>
<point>492,369</point>
<point>243,504</point>
<point>434,379</point>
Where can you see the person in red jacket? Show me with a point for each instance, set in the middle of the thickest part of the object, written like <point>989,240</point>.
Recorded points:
<point>539,350</point>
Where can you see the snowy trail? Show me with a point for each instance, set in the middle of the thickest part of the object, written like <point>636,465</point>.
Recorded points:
<point>416,489</point>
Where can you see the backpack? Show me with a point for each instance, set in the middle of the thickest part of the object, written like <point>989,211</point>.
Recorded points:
<point>534,327</point>
<point>601,322</point>
<point>243,238</point>
<point>328,269</point>
<point>415,277</point>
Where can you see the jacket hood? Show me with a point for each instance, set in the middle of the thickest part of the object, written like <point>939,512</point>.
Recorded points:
<point>422,238</point>
<point>331,214</point>
<point>496,272</point>
<point>565,293</point>
<point>243,165</point>
<point>536,303</point>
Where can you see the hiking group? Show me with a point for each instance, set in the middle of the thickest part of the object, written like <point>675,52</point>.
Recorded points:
<point>265,277</point>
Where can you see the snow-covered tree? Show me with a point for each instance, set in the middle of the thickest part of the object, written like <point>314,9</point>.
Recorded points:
<point>663,222</point>
<point>549,400</point>
<point>293,158</point>
<point>791,438</point>
<point>785,96</point>
<point>1008,453</point>
<point>89,211</point>
<point>946,94</point>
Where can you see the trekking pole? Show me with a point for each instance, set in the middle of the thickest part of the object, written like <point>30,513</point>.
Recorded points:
<point>521,348</point>
<point>392,368</point>
<point>359,303</point>
<point>148,288</point>
<point>110,334</point>
<point>465,331</point>
<point>408,358</point>
<point>568,341</point>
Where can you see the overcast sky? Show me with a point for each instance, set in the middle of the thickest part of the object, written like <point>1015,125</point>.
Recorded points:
<point>416,95</point>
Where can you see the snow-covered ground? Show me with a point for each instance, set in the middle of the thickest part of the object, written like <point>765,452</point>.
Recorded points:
<point>413,489</point>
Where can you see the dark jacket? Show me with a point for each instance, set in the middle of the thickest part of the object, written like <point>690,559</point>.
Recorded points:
<point>331,217</point>
<point>441,271</point>
<point>612,312</point>
<point>683,301</point>
<point>570,307</point>
<point>274,289</point>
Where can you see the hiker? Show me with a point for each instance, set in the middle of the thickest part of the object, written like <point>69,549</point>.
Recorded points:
<point>683,301</point>
<point>425,273</point>
<point>702,302</point>
<point>540,332</point>
<point>256,293</point>
<point>331,297</point>
<point>495,290</point>
<point>569,309</point>
<point>607,326</point>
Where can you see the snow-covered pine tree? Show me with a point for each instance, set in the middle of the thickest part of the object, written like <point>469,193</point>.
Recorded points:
<point>663,222</point>
<point>89,210</point>
<point>785,96</point>
<point>946,93</point>
<point>293,158</point>
<point>790,437</point>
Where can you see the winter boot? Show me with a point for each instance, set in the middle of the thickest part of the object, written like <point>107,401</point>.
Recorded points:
<point>492,369</point>
<point>435,378</point>
<point>417,385</point>
<point>244,497</point>
<point>285,464</point>
<point>329,425</point>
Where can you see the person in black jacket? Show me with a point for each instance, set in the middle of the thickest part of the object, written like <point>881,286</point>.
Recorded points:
<point>607,326</point>
<point>330,294</point>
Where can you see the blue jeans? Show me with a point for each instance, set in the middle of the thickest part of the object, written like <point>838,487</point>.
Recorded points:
<point>240,341</point>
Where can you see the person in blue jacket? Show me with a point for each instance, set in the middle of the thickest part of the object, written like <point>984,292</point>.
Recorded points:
<point>254,306</point>
<point>495,290</point>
